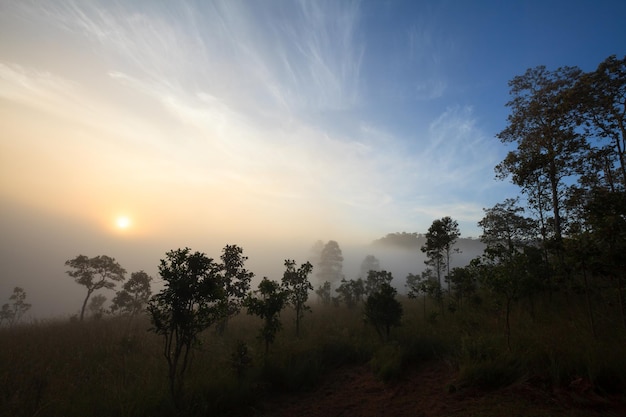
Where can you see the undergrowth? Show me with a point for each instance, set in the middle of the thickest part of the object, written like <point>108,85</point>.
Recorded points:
<point>114,367</point>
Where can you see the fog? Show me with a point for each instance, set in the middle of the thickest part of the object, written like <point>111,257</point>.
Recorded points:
<point>35,247</point>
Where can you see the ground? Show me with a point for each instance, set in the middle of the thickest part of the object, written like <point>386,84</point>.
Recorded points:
<point>432,390</point>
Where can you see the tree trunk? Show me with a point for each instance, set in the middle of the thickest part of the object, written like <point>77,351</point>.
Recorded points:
<point>82,310</point>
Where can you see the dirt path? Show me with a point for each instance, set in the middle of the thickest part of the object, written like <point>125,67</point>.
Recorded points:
<point>428,392</point>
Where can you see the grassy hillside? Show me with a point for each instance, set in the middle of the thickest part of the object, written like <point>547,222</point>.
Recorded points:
<point>115,367</point>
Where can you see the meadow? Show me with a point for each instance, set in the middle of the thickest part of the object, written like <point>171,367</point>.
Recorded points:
<point>114,366</point>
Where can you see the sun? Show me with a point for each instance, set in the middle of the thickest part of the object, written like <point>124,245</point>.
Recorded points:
<point>122,222</point>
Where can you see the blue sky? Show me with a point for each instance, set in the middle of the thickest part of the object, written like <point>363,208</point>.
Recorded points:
<point>267,121</point>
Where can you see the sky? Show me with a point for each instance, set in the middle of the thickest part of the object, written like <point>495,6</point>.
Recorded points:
<point>267,124</point>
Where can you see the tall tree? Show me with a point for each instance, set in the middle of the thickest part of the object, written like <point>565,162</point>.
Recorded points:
<point>95,273</point>
<point>196,296</point>
<point>542,124</point>
<point>331,263</point>
<point>370,263</point>
<point>13,312</point>
<point>440,240</point>
<point>297,283</point>
<point>383,311</point>
<point>134,295</point>
<point>601,96</point>
<point>267,303</point>
<point>236,281</point>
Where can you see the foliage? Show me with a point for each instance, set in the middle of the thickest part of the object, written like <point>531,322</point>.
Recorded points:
<point>134,295</point>
<point>198,293</point>
<point>297,284</point>
<point>95,273</point>
<point>12,313</point>
<point>370,263</point>
<point>441,236</point>
<point>323,292</point>
<point>96,306</point>
<point>269,301</point>
<point>331,263</point>
<point>375,280</point>
<point>351,292</point>
<point>382,310</point>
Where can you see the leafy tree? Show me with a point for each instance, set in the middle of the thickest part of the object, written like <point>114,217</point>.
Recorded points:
<point>542,124</point>
<point>463,283</point>
<point>236,281</point>
<point>370,263</point>
<point>331,263</point>
<point>134,295</point>
<point>297,283</point>
<point>425,284</point>
<point>95,273</point>
<point>96,306</point>
<point>196,296</point>
<point>383,311</point>
<point>267,302</point>
<point>351,292</point>
<point>505,229</point>
<point>6,314</point>
<point>440,239</point>
<point>323,292</point>
<point>12,313</point>
<point>601,99</point>
<point>375,279</point>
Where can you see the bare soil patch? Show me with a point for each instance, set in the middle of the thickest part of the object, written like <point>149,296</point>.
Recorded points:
<point>432,391</point>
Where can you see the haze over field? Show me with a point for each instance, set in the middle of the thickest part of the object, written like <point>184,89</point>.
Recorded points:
<point>132,128</point>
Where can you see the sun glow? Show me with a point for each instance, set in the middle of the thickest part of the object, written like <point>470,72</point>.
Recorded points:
<point>122,222</point>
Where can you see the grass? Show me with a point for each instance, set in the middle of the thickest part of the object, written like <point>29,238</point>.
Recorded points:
<point>113,367</point>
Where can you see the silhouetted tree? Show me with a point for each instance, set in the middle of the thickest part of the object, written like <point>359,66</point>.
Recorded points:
<point>425,284</point>
<point>542,124</point>
<point>134,295</point>
<point>96,306</point>
<point>440,239</point>
<point>323,292</point>
<point>351,292</point>
<point>95,273</point>
<point>196,295</point>
<point>383,311</point>
<point>12,313</point>
<point>370,263</point>
<point>267,302</point>
<point>236,280</point>
<point>375,279</point>
<point>297,283</point>
<point>331,263</point>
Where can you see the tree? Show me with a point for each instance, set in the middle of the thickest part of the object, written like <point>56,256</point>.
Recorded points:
<point>370,263</point>
<point>267,302</point>
<point>12,313</point>
<point>6,314</point>
<point>375,279</point>
<point>95,273</point>
<point>134,295</point>
<point>323,292</point>
<point>601,96</point>
<point>425,284</point>
<point>505,229</point>
<point>96,306</point>
<point>351,292</point>
<point>331,263</point>
<point>440,239</point>
<point>383,311</point>
<point>237,281</point>
<point>297,283</point>
<point>542,124</point>
<point>196,296</point>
